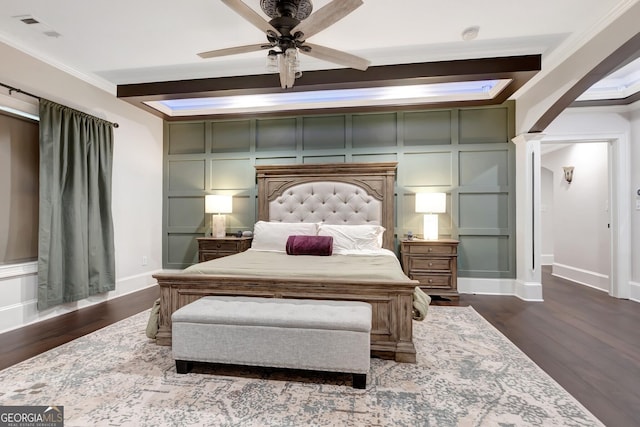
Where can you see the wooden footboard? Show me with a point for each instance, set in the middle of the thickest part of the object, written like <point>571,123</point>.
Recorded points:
<point>392,303</point>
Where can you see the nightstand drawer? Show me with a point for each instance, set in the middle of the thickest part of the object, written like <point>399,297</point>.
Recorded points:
<point>218,245</point>
<point>433,281</point>
<point>430,264</point>
<point>211,248</point>
<point>430,250</point>
<point>209,255</point>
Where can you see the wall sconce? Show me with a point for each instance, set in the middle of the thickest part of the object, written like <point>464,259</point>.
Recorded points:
<point>568,173</point>
<point>431,204</point>
<point>219,205</point>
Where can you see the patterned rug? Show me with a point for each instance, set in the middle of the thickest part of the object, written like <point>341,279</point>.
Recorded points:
<point>467,374</point>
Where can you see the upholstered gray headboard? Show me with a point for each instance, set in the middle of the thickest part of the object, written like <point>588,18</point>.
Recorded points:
<point>344,193</point>
<point>332,202</point>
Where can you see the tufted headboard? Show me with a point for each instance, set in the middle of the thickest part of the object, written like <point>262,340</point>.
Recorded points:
<point>342,193</point>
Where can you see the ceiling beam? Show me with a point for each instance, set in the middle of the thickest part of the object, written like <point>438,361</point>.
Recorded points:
<point>625,54</point>
<point>517,68</point>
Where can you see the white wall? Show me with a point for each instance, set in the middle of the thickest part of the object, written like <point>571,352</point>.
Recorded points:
<point>581,238</point>
<point>137,186</point>
<point>619,124</point>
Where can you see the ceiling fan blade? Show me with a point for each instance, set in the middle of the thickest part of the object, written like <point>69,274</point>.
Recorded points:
<point>325,16</point>
<point>233,50</point>
<point>336,56</point>
<point>250,15</point>
<point>286,79</point>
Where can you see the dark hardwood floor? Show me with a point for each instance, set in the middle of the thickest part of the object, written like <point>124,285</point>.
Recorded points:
<point>26,342</point>
<point>587,341</point>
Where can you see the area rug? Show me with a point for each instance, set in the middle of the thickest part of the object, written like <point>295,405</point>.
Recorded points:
<point>467,374</point>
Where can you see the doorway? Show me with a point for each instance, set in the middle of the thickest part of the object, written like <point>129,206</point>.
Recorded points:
<point>575,212</point>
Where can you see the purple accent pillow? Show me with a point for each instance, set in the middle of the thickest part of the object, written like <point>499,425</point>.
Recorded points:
<point>310,245</point>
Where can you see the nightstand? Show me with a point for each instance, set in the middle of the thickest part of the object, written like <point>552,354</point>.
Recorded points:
<point>214,247</point>
<point>434,263</point>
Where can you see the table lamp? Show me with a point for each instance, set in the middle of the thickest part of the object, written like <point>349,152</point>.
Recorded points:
<point>431,204</point>
<point>217,206</point>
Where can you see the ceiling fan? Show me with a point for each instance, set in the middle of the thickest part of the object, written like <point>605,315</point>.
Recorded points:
<point>291,24</point>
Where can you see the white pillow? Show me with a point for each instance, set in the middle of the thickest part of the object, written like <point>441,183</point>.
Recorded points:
<point>349,238</point>
<point>272,236</point>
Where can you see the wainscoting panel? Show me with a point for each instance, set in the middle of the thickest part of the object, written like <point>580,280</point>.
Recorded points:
<point>230,173</point>
<point>276,134</point>
<point>324,133</point>
<point>231,136</point>
<point>484,210</point>
<point>464,152</point>
<point>484,125</point>
<point>182,249</point>
<point>186,175</point>
<point>427,169</point>
<point>427,128</point>
<point>485,256</point>
<point>374,130</point>
<point>484,168</point>
<point>185,212</point>
<point>187,138</point>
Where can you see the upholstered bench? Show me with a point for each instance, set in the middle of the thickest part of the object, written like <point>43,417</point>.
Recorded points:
<point>317,335</point>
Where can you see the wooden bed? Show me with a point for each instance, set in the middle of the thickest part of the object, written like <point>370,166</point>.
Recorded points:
<point>391,335</point>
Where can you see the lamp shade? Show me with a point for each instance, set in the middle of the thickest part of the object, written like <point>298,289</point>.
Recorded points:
<point>431,202</point>
<point>217,204</point>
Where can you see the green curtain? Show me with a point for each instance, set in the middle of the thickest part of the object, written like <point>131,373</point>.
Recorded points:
<point>75,249</point>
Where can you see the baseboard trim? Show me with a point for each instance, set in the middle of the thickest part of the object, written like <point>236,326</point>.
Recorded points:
<point>546,259</point>
<point>26,312</point>
<point>634,291</point>
<point>583,277</point>
<point>526,291</point>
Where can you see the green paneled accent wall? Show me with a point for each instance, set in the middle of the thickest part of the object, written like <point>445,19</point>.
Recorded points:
<point>464,152</point>
<point>324,133</point>
<point>231,136</point>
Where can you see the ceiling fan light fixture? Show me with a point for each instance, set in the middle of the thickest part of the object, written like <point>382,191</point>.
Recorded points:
<point>272,62</point>
<point>291,56</point>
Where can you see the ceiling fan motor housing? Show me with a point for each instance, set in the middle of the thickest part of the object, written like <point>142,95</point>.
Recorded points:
<point>298,9</point>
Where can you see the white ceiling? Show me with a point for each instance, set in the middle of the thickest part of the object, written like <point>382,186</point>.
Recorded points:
<point>120,42</point>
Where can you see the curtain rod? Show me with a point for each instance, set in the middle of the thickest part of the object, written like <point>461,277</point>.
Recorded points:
<point>15,89</point>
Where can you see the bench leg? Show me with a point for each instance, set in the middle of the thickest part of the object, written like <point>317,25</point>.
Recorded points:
<point>360,381</point>
<point>183,366</point>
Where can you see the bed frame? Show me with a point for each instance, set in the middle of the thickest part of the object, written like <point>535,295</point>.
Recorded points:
<point>392,301</point>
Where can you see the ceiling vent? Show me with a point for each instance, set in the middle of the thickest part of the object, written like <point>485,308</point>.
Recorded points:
<point>41,27</point>
<point>30,20</point>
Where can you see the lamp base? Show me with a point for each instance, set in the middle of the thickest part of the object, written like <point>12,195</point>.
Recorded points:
<point>430,227</point>
<point>218,226</point>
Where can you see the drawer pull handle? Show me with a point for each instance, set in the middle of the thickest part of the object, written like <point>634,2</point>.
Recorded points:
<point>430,250</point>
<point>430,280</point>
<point>430,264</point>
<point>218,245</point>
